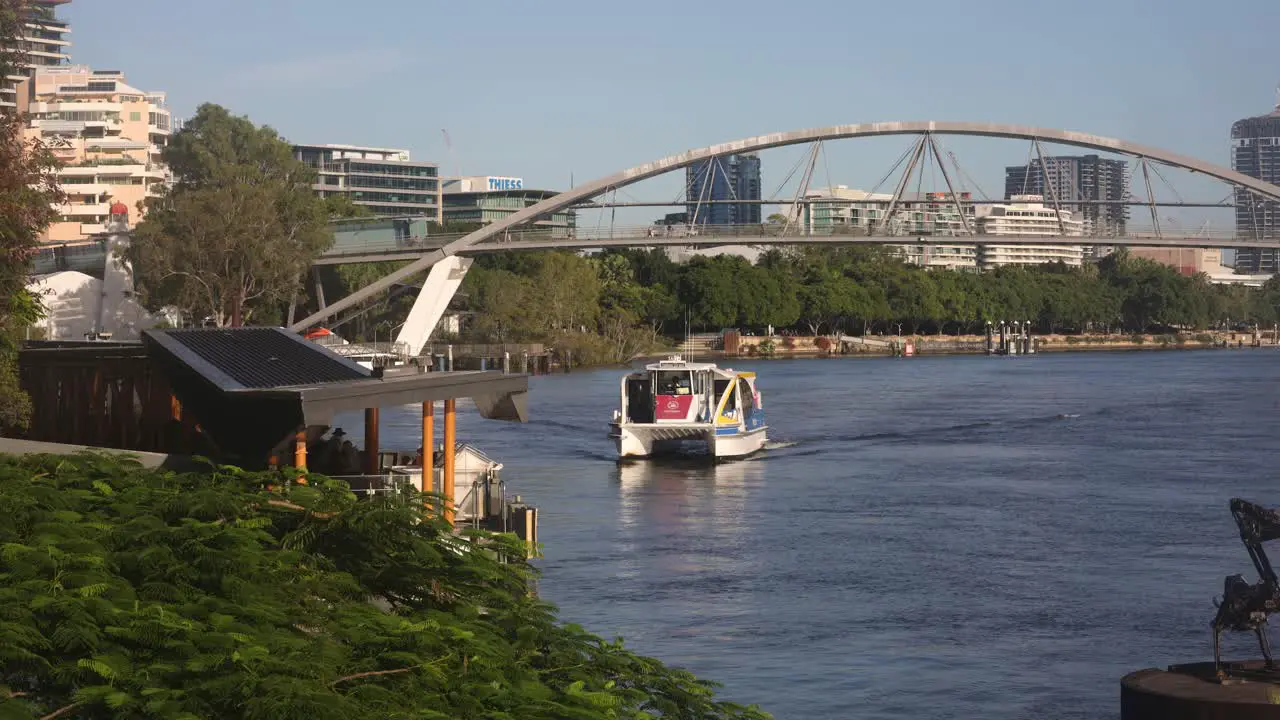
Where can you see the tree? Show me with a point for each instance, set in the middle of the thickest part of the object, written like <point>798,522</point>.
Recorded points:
<point>237,229</point>
<point>566,292</point>
<point>340,207</point>
<point>28,196</point>
<point>134,593</point>
<point>709,288</point>
<point>502,305</point>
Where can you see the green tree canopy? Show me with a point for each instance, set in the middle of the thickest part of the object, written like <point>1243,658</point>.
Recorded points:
<point>146,594</point>
<point>237,229</point>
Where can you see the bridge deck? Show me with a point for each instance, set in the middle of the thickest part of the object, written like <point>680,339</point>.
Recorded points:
<point>90,257</point>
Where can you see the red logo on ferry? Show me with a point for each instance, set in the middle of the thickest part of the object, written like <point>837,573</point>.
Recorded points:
<point>673,407</point>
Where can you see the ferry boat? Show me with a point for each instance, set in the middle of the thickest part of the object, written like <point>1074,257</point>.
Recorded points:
<point>675,406</point>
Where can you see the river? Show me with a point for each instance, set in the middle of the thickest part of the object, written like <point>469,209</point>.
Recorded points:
<point>926,537</point>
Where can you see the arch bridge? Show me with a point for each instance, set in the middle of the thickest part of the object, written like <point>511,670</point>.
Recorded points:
<point>443,281</point>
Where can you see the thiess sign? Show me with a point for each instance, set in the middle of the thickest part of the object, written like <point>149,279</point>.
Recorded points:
<point>504,183</point>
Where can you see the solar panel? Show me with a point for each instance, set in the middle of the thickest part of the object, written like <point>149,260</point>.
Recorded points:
<point>260,358</point>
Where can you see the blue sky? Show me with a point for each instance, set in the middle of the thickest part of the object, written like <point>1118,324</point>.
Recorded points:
<point>542,90</point>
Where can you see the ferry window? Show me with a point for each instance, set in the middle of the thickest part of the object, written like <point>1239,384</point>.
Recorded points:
<point>748,399</point>
<point>699,383</point>
<point>674,383</point>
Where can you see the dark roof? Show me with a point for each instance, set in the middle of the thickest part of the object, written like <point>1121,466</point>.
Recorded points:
<point>250,388</point>
<point>256,358</point>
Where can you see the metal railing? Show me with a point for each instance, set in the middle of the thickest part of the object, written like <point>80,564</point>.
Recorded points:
<point>538,237</point>
<point>764,231</point>
<point>483,504</point>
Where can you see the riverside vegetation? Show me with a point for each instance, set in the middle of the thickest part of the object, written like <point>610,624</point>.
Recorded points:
<point>132,593</point>
<point>611,306</point>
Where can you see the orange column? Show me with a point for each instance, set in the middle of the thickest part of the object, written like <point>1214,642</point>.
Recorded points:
<point>450,439</point>
<point>428,445</point>
<point>371,441</point>
<point>300,453</point>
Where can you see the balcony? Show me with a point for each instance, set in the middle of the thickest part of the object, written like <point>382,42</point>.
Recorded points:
<point>87,188</point>
<point>115,143</point>
<point>93,210</point>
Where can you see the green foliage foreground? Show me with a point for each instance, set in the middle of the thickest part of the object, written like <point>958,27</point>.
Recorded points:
<point>129,593</point>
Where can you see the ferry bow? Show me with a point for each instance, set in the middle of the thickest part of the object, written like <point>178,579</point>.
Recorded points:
<point>675,406</point>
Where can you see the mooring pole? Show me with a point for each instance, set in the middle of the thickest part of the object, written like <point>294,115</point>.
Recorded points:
<point>450,458</point>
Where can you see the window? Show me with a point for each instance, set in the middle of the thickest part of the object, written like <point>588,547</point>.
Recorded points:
<point>673,383</point>
<point>135,116</point>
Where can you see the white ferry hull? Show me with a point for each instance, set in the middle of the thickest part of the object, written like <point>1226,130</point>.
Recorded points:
<point>650,440</point>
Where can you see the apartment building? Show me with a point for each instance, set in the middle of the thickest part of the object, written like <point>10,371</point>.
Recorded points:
<point>840,209</point>
<point>44,43</point>
<point>384,180</point>
<point>109,137</point>
<point>1027,216</point>
<point>1093,188</point>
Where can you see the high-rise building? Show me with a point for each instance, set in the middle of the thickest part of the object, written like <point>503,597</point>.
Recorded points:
<point>484,199</point>
<point>1027,216</point>
<point>384,180</point>
<point>1255,151</point>
<point>1073,180</point>
<point>712,186</point>
<point>44,43</point>
<point>109,137</point>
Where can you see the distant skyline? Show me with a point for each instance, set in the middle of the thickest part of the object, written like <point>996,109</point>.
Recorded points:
<point>545,91</point>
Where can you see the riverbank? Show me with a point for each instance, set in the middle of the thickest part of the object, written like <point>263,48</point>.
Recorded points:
<point>792,346</point>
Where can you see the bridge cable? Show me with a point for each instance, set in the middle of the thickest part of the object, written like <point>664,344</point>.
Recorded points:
<point>920,169</point>
<point>733,193</point>
<point>1151,198</point>
<point>803,187</point>
<point>790,173</point>
<point>1155,168</point>
<point>705,191</point>
<point>916,151</point>
<point>1051,187</point>
<point>1026,171</point>
<point>964,221</point>
<point>962,177</point>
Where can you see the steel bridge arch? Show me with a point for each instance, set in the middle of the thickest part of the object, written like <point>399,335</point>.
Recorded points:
<point>782,139</point>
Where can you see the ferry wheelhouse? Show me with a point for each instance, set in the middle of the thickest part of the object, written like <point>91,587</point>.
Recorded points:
<point>675,406</point>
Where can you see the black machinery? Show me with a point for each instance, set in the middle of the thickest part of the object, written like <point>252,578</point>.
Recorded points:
<point>1245,607</point>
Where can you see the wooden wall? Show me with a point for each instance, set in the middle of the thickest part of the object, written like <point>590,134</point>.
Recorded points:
<point>103,395</point>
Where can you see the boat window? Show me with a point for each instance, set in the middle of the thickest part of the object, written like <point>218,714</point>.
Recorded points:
<point>732,402</point>
<point>748,398</point>
<point>700,382</point>
<point>674,383</point>
<point>720,387</point>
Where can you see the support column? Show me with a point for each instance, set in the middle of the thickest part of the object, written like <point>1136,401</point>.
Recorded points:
<point>371,441</point>
<point>315,276</point>
<point>428,445</point>
<point>300,453</point>
<point>450,440</point>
